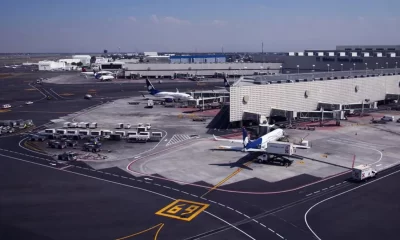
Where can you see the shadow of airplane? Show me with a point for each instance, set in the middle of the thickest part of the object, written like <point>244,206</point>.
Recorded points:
<point>239,163</point>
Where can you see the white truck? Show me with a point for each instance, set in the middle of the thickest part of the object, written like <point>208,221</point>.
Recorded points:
<point>363,172</point>
<point>150,104</point>
<point>274,152</point>
<point>280,148</point>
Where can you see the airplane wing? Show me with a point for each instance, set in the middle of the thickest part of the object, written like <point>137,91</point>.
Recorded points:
<point>228,140</point>
<point>294,145</point>
<point>155,98</point>
<point>230,148</point>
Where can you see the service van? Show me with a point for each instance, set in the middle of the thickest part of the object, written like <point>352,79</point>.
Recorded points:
<point>93,125</point>
<point>388,118</point>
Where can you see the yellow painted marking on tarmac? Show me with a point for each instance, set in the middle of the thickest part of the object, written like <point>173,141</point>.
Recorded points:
<point>66,94</point>
<point>301,162</point>
<point>32,147</point>
<point>4,110</point>
<point>183,210</point>
<point>30,89</point>
<point>35,147</point>
<point>227,178</point>
<point>160,225</point>
<point>324,155</point>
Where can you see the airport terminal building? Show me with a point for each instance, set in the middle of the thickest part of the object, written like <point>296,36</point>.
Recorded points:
<point>353,57</point>
<point>302,98</point>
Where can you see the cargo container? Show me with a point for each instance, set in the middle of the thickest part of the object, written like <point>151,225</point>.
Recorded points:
<point>363,172</point>
<point>280,148</point>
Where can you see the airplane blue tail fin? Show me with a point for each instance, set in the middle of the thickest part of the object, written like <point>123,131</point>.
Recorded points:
<point>152,90</point>
<point>247,143</point>
<point>226,83</point>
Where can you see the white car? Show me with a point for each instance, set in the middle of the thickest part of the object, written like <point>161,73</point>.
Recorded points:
<point>5,106</point>
<point>28,103</point>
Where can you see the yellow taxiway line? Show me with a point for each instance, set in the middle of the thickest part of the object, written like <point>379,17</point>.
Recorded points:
<point>160,225</point>
<point>227,178</point>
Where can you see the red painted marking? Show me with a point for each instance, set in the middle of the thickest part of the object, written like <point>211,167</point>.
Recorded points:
<point>221,189</point>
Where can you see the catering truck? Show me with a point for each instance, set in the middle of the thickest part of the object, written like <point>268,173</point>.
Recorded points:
<point>363,172</point>
<point>274,152</point>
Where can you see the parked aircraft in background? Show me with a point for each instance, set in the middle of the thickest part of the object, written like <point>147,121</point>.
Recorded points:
<point>166,95</point>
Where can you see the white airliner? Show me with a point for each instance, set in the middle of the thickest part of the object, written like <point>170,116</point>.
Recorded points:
<point>167,95</point>
<point>258,145</point>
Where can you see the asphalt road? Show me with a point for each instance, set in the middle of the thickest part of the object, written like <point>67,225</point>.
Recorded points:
<point>41,199</point>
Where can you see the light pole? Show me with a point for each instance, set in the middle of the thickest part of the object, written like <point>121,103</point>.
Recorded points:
<point>298,71</point>
<point>280,69</point>
<point>313,70</point>
<point>328,66</point>
<point>387,65</point>
<point>366,64</point>
<point>354,66</point>
<point>341,65</point>
<point>377,66</point>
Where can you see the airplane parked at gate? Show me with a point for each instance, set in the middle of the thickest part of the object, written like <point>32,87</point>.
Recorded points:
<point>166,95</point>
<point>258,145</point>
<point>226,86</point>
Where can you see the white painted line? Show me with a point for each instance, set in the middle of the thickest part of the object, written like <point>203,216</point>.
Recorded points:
<point>65,167</point>
<point>212,201</point>
<point>125,185</point>
<point>255,220</point>
<point>379,165</point>
<point>167,187</point>
<point>309,194</point>
<point>148,182</point>
<point>132,179</point>
<point>317,191</point>
<point>238,212</point>
<point>280,236</point>
<point>271,230</point>
<point>246,215</point>
<point>139,180</point>
<point>231,225</point>
<point>338,184</point>
<point>324,189</point>
<point>332,186</point>
<point>175,189</point>
<point>185,192</point>
<point>194,195</point>
<point>262,225</point>
<point>337,195</point>
<point>221,204</point>
<point>230,208</point>
<point>156,184</point>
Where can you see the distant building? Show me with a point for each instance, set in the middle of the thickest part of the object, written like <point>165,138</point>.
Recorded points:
<point>150,54</point>
<point>50,65</point>
<point>198,59</point>
<point>156,59</point>
<point>69,61</point>
<point>85,59</point>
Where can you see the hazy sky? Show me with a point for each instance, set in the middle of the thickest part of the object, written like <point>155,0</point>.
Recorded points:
<point>187,25</point>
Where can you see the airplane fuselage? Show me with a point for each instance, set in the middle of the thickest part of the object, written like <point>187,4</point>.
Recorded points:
<point>174,95</point>
<point>271,136</point>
